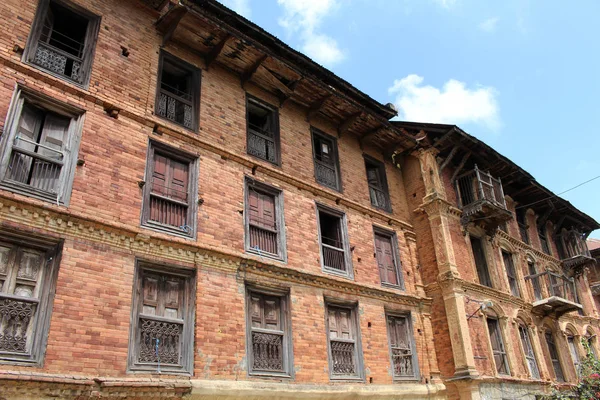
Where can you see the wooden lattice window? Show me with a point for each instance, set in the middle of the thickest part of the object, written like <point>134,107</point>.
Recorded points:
<point>27,279</point>
<point>333,239</point>
<point>345,355</point>
<point>62,40</point>
<point>554,358</point>
<point>269,347</point>
<point>162,320</point>
<point>378,187</point>
<point>522,223</point>
<point>386,254</point>
<point>170,191</point>
<point>402,347</point>
<point>265,233</point>
<point>326,161</point>
<point>498,349</point>
<point>178,91</point>
<point>534,371</point>
<point>39,151</point>
<point>480,261</point>
<point>262,131</point>
<point>511,273</point>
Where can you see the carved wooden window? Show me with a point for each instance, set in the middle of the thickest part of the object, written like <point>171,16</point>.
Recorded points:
<point>162,320</point>
<point>554,358</point>
<point>27,278</point>
<point>386,255</point>
<point>262,131</point>
<point>498,349</point>
<point>333,238</point>
<point>402,347</point>
<point>269,346</point>
<point>62,40</point>
<point>534,371</point>
<point>511,273</point>
<point>378,187</point>
<point>325,156</point>
<point>178,91</point>
<point>535,282</point>
<point>265,227</point>
<point>345,354</point>
<point>523,227</point>
<point>480,261</point>
<point>170,191</point>
<point>39,151</point>
<point>574,353</point>
<point>543,239</point>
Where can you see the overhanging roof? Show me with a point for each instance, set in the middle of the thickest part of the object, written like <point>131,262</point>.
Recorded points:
<point>517,183</point>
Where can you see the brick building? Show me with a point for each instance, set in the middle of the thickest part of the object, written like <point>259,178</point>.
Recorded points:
<point>191,209</point>
<point>509,275</point>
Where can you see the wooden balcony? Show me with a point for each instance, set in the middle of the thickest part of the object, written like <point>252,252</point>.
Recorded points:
<point>554,293</point>
<point>573,250</point>
<point>481,198</point>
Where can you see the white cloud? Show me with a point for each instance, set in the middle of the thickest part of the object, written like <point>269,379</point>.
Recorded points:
<point>304,17</point>
<point>489,25</point>
<point>241,7</point>
<point>454,103</point>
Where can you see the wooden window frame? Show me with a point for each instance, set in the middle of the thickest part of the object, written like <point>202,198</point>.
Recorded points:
<point>181,156</point>
<point>91,39</point>
<point>349,273</point>
<point>384,183</point>
<point>532,374</point>
<point>358,353</point>
<point>485,259</point>
<point>554,362</point>
<point>379,231</point>
<point>316,133</point>
<point>196,88</point>
<point>502,352</point>
<point>572,340</point>
<point>276,135</point>
<point>544,238</point>
<point>187,337</point>
<point>415,359</point>
<point>288,356</point>
<point>522,225</point>
<point>277,194</point>
<point>515,276</point>
<point>41,323</point>
<point>20,96</point>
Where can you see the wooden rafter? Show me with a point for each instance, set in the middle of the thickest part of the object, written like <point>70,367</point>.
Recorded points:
<point>440,141</point>
<point>348,122</point>
<point>247,75</point>
<point>461,165</point>
<point>215,51</point>
<point>316,107</point>
<point>449,158</point>
<point>371,134</point>
<point>169,22</point>
<point>283,98</point>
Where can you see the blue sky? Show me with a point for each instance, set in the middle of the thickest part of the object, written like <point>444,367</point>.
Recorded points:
<point>521,75</point>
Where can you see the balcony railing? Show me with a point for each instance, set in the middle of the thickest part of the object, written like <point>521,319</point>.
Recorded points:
<point>60,62</point>
<point>176,106</point>
<point>379,198</point>
<point>35,170</point>
<point>572,248</point>
<point>559,294</point>
<point>481,197</point>
<point>261,143</point>
<point>333,254</point>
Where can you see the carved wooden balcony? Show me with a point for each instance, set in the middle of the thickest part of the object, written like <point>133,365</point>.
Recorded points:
<point>481,198</point>
<point>573,250</point>
<point>554,293</point>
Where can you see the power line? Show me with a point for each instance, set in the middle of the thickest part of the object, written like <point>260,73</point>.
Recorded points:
<point>556,195</point>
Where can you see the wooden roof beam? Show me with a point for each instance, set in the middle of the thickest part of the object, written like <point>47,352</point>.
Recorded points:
<point>461,165</point>
<point>283,97</point>
<point>371,134</point>
<point>247,75</point>
<point>169,22</point>
<point>449,158</point>
<point>215,51</point>
<point>316,107</point>
<point>347,124</point>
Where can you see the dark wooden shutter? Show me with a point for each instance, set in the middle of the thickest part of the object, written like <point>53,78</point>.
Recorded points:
<point>511,273</point>
<point>554,357</point>
<point>497,346</point>
<point>385,260</point>
<point>373,177</point>
<point>170,180</point>
<point>529,354</point>
<point>342,341</point>
<point>29,129</point>
<point>401,346</point>
<point>262,219</point>
<point>267,333</point>
<point>480,262</point>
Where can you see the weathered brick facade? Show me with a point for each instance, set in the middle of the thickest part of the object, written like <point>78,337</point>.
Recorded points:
<point>86,349</point>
